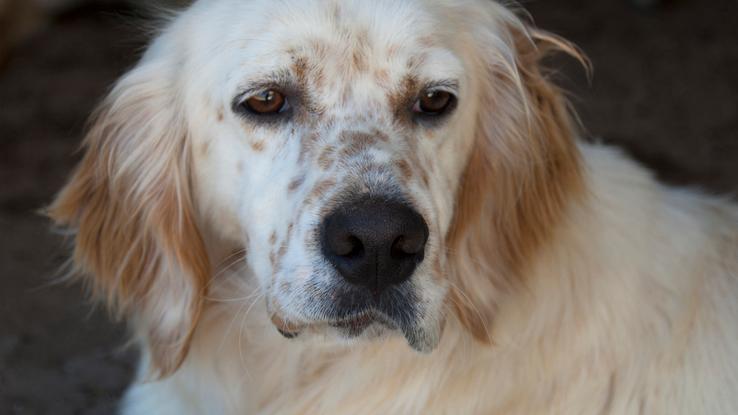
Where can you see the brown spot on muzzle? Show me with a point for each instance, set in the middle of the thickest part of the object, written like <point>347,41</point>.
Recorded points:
<point>381,135</point>
<point>307,145</point>
<point>325,160</point>
<point>320,190</point>
<point>257,146</point>
<point>295,183</point>
<point>273,238</point>
<point>406,172</point>
<point>348,136</point>
<point>356,142</point>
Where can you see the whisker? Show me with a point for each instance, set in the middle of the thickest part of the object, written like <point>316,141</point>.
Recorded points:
<point>241,331</point>
<point>473,307</point>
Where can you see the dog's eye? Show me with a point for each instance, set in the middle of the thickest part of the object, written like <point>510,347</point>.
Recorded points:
<point>266,103</point>
<point>434,102</point>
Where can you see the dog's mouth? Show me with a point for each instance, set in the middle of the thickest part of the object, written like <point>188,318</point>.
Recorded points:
<point>355,324</point>
<point>370,323</point>
<point>351,326</point>
<point>347,313</point>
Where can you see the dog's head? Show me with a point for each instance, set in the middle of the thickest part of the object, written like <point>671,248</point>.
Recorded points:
<point>381,164</point>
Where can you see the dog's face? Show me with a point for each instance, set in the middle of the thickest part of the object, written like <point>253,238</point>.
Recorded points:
<point>379,163</point>
<point>332,140</point>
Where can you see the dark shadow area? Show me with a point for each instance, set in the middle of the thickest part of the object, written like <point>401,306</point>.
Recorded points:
<point>664,88</point>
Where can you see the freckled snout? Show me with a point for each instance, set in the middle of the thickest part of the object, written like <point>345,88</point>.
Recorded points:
<point>374,243</point>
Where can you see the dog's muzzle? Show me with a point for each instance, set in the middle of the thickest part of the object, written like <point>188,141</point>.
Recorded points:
<point>373,245</point>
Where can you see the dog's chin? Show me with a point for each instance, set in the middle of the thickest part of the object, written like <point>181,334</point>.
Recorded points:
<point>365,327</point>
<point>366,323</point>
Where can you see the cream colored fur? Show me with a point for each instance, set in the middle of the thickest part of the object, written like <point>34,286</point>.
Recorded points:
<point>631,310</point>
<point>575,284</point>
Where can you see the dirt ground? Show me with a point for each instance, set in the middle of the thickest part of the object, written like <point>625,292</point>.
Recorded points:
<point>665,87</point>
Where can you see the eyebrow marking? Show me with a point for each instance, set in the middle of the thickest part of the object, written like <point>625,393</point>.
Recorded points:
<point>300,67</point>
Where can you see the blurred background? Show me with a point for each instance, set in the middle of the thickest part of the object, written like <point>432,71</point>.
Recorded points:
<point>665,88</point>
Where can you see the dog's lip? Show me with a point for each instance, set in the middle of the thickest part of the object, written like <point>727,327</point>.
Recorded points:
<point>358,322</point>
<point>422,341</point>
<point>354,323</point>
<point>286,328</point>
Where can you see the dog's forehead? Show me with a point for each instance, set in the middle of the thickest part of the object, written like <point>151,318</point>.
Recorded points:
<point>349,40</point>
<point>360,23</point>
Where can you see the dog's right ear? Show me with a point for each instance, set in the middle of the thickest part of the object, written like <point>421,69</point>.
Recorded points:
<point>129,206</point>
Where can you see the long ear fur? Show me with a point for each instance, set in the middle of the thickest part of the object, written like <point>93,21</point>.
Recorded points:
<point>522,172</point>
<point>129,205</point>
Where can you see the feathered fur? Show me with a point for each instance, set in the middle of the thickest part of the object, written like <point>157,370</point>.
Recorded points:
<point>559,277</point>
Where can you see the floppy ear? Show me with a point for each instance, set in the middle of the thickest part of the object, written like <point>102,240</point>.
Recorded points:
<point>523,170</point>
<point>129,205</point>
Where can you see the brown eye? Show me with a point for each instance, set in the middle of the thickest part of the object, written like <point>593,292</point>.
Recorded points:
<point>434,102</point>
<point>266,103</point>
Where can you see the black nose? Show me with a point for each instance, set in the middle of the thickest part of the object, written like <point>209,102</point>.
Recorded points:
<point>374,242</point>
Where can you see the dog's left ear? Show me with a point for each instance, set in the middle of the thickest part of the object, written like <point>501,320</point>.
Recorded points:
<point>130,208</point>
<point>523,170</point>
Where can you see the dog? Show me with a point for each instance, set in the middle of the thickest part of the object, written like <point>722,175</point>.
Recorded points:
<point>351,207</point>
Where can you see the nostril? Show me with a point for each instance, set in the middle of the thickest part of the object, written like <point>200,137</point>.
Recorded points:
<point>404,247</point>
<point>347,246</point>
<point>357,248</point>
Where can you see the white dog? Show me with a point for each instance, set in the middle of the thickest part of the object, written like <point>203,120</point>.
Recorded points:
<point>397,189</point>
